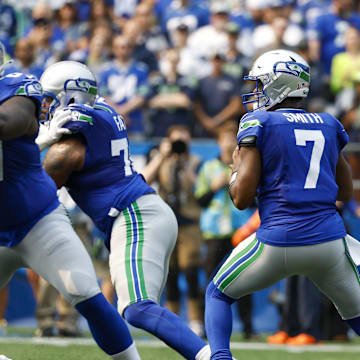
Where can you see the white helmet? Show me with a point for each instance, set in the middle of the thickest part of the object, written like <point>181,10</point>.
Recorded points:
<point>68,82</point>
<point>282,74</point>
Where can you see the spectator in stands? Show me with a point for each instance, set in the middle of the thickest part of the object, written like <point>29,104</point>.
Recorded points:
<point>277,33</point>
<point>237,64</point>
<point>133,31</point>
<point>218,99</point>
<point>67,20</point>
<point>327,33</point>
<point>189,63</point>
<point>154,40</point>
<point>99,53</point>
<point>124,83</point>
<point>8,26</point>
<point>175,168</point>
<point>346,64</point>
<point>300,323</point>
<point>211,38</point>
<point>24,59</point>
<point>171,97</point>
<point>193,14</point>
<point>219,217</point>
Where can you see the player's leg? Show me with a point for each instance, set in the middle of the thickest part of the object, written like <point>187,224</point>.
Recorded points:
<point>54,251</point>
<point>10,261</point>
<point>142,240</point>
<point>189,262</point>
<point>334,271</point>
<point>252,266</point>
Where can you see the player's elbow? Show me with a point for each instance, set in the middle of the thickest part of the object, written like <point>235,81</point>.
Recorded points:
<point>241,199</point>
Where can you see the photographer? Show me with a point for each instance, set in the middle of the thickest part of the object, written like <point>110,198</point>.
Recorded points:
<point>175,170</point>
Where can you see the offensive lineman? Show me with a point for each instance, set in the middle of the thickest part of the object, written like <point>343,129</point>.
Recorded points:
<point>293,160</point>
<point>141,229</point>
<point>35,231</point>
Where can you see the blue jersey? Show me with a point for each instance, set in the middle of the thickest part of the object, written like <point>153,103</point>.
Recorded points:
<point>330,30</point>
<point>297,191</point>
<point>27,193</point>
<point>123,83</point>
<point>107,184</point>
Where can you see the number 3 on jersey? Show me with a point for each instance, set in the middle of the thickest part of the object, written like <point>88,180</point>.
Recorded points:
<point>317,137</point>
<point>119,145</point>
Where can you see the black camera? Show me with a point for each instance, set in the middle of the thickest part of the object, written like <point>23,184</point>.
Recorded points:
<point>179,147</point>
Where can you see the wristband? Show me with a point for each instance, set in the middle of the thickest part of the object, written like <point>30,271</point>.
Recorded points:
<point>233,178</point>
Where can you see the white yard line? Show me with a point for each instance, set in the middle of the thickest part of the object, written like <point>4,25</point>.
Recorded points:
<point>159,344</point>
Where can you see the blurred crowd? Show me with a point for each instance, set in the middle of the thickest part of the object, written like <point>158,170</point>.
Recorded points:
<point>181,62</point>
<point>174,69</point>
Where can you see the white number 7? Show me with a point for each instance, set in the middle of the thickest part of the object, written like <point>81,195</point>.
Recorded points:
<point>302,136</point>
<point>119,145</point>
<point>1,163</point>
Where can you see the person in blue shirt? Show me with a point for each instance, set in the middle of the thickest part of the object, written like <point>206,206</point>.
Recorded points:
<point>35,231</point>
<point>124,84</point>
<point>292,161</point>
<point>326,32</point>
<point>94,163</point>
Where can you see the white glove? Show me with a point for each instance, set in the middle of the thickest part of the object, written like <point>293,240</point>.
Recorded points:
<point>51,133</point>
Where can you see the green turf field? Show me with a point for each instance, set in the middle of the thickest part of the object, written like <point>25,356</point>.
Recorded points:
<point>20,345</point>
<point>81,352</point>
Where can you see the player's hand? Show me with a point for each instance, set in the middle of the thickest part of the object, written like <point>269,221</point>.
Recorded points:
<point>53,130</point>
<point>165,147</point>
<point>220,181</point>
<point>56,130</point>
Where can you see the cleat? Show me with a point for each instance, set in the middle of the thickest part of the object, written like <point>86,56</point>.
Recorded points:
<point>278,338</point>
<point>301,339</point>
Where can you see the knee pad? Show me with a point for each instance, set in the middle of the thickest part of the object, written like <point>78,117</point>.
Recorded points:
<point>213,292</point>
<point>78,286</point>
<point>191,275</point>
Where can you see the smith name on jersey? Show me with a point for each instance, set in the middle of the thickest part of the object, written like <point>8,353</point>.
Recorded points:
<point>27,193</point>
<point>297,192</point>
<point>108,183</point>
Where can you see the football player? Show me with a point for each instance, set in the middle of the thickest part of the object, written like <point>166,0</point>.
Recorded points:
<point>141,229</point>
<point>35,231</point>
<point>292,161</point>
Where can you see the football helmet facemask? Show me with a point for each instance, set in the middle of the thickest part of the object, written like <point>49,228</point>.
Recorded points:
<point>67,82</point>
<point>278,74</point>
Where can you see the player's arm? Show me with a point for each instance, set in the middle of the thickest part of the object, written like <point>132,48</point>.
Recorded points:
<point>17,118</point>
<point>246,175</point>
<point>344,180</point>
<point>63,158</point>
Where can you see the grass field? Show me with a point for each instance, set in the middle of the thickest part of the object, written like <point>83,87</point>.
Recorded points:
<point>29,348</point>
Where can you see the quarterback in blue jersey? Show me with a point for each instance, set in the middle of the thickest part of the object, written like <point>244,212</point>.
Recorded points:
<point>141,230</point>
<point>35,231</point>
<point>292,161</point>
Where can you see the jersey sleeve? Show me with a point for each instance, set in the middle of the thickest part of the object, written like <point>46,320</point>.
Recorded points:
<point>25,85</point>
<point>82,119</point>
<point>343,137</point>
<point>251,124</point>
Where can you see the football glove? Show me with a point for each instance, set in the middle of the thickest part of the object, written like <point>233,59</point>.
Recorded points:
<point>53,130</point>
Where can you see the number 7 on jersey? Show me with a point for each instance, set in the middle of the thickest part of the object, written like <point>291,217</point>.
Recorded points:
<point>316,136</point>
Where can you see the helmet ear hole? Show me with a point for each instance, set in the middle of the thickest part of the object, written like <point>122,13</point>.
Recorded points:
<point>71,101</point>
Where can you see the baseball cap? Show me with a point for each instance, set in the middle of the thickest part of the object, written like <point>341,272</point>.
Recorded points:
<point>219,8</point>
